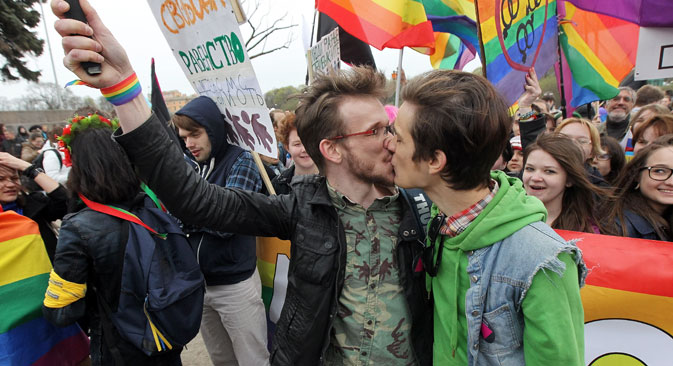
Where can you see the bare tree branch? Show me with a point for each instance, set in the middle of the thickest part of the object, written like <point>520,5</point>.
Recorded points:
<point>264,31</point>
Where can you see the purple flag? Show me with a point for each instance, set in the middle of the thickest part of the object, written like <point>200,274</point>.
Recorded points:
<point>645,13</point>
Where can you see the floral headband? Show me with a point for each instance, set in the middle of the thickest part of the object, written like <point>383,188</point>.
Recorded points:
<point>77,125</point>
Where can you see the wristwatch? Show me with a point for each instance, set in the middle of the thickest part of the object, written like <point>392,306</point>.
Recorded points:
<point>32,171</point>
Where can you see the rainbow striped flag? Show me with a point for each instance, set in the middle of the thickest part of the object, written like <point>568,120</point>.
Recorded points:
<point>273,263</point>
<point>382,23</point>
<point>26,338</point>
<point>599,50</point>
<point>514,39</point>
<point>455,28</point>
<point>628,300</point>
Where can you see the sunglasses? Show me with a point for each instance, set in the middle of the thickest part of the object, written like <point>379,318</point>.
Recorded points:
<point>430,263</point>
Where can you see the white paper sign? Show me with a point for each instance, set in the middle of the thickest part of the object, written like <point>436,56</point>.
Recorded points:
<point>655,54</point>
<point>326,53</point>
<point>207,43</point>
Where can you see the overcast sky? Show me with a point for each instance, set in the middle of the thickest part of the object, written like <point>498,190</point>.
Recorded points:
<point>132,22</point>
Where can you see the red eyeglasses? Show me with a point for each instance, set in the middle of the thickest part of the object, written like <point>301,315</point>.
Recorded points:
<point>387,129</point>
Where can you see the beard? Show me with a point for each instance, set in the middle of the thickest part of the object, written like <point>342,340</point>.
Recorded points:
<point>366,171</point>
<point>617,116</point>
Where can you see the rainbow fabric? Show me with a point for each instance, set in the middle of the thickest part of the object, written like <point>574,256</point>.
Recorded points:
<point>512,44</point>
<point>599,50</point>
<point>382,23</point>
<point>26,338</point>
<point>123,92</point>
<point>456,41</point>
<point>628,299</point>
<point>646,13</point>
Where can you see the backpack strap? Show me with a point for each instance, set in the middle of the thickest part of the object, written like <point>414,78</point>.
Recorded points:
<point>119,213</point>
<point>414,207</point>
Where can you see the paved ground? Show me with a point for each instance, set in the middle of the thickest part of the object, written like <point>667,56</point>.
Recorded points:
<point>196,354</point>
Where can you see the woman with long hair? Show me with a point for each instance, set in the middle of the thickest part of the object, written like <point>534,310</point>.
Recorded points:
<point>611,163</point>
<point>650,130</point>
<point>642,202</point>
<point>91,245</point>
<point>554,172</point>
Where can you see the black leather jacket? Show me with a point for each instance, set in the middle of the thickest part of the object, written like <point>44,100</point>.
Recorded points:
<point>307,218</point>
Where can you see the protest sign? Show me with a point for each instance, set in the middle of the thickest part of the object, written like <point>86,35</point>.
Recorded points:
<point>655,54</point>
<point>206,41</point>
<point>325,54</point>
<point>627,299</point>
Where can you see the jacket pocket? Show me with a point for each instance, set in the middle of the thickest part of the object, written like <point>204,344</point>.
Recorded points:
<point>507,338</point>
<point>313,256</point>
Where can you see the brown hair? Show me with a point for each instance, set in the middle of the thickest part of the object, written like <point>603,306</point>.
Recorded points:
<point>462,115</point>
<point>662,124</point>
<point>648,94</point>
<point>185,123</point>
<point>285,125</point>
<point>318,117</point>
<point>577,207</point>
<point>627,196</point>
<point>654,107</point>
<point>617,159</point>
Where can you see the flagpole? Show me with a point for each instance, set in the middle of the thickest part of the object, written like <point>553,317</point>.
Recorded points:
<point>482,56</point>
<point>561,18</point>
<point>398,86</point>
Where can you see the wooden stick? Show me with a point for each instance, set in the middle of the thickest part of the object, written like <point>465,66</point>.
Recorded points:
<point>262,172</point>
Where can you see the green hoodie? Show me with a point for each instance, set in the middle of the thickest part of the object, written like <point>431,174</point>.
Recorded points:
<point>509,211</point>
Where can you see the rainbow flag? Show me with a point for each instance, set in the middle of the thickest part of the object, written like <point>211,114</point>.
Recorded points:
<point>599,50</point>
<point>382,23</point>
<point>515,38</point>
<point>273,263</point>
<point>628,300</point>
<point>26,338</point>
<point>456,41</point>
<point>450,52</point>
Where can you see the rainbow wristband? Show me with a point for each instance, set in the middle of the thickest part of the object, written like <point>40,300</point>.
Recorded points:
<point>123,92</point>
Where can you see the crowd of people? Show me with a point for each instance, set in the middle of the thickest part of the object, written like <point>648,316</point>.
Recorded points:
<point>486,282</point>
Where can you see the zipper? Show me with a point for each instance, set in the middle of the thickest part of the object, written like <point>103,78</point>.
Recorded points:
<point>198,250</point>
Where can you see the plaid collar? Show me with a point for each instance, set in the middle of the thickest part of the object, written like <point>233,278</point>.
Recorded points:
<point>457,223</point>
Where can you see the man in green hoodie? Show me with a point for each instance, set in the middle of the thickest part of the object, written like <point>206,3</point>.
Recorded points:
<point>505,285</point>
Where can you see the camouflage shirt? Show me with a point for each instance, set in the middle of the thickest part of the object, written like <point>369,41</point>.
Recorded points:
<point>372,326</point>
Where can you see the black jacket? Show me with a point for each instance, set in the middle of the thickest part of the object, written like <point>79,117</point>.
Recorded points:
<point>638,227</point>
<point>308,219</point>
<point>281,182</point>
<point>91,250</point>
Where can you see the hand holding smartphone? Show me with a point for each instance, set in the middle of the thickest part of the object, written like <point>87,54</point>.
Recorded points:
<point>75,12</point>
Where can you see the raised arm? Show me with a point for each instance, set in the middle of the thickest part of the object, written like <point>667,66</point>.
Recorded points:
<point>158,161</point>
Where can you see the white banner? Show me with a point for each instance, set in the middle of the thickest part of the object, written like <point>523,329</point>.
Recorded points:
<point>655,54</point>
<point>207,43</point>
<point>326,54</point>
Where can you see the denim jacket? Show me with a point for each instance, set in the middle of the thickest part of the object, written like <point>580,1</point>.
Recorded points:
<point>499,279</point>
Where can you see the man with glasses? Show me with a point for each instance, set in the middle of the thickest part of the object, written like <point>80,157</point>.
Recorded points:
<point>505,286</point>
<point>619,109</point>
<point>356,291</point>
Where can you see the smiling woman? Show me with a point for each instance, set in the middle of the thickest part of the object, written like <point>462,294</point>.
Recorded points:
<point>642,206</point>
<point>554,172</point>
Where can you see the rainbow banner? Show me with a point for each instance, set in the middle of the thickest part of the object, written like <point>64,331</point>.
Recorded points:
<point>516,37</point>
<point>26,338</point>
<point>599,50</point>
<point>628,300</point>
<point>382,23</point>
<point>273,264</point>
<point>450,52</point>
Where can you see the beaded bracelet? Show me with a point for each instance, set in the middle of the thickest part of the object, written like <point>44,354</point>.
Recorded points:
<point>123,92</point>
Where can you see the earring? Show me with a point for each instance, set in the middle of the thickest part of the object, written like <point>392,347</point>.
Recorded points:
<point>637,186</point>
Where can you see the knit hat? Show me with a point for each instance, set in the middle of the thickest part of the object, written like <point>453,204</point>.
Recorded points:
<point>516,143</point>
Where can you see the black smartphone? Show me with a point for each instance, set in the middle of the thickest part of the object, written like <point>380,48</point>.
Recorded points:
<point>75,12</point>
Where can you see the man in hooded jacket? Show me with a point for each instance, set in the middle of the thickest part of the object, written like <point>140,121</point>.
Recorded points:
<point>234,323</point>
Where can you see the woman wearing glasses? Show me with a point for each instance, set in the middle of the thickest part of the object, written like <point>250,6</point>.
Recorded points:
<point>42,208</point>
<point>611,163</point>
<point>642,206</point>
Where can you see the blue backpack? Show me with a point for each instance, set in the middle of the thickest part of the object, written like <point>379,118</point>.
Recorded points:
<point>162,288</point>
